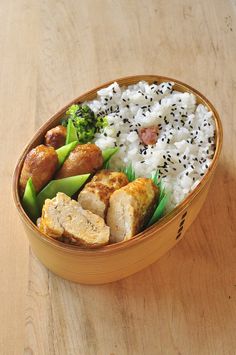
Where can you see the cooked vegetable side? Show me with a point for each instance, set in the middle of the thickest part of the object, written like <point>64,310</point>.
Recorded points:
<point>84,122</point>
<point>69,185</point>
<point>64,151</point>
<point>65,219</point>
<point>29,201</point>
<point>96,194</point>
<point>130,208</point>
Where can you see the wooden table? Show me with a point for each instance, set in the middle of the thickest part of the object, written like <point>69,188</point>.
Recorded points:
<point>52,51</point>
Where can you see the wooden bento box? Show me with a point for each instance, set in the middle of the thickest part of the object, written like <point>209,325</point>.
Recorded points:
<point>116,261</point>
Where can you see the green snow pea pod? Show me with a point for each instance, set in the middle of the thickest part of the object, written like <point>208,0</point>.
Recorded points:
<point>29,201</point>
<point>64,151</point>
<point>107,154</point>
<point>71,134</point>
<point>68,185</point>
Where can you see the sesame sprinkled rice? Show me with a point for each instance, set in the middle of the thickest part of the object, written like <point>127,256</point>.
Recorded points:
<point>185,129</point>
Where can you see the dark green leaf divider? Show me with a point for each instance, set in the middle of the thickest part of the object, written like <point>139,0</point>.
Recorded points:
<point>162,200</point>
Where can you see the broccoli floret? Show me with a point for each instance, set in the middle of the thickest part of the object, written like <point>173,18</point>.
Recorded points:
<point>85,121</point>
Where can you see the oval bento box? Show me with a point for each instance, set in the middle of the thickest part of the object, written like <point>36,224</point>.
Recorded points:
<point>116,261</point>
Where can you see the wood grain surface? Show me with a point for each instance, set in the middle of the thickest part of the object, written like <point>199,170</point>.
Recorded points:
<point>52,51</point>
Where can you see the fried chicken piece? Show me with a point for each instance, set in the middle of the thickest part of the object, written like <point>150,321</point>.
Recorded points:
<point>64,219</point>
<point>84,159</point>
<point>40,164</point>
<point>56,137</point>
<point>130,208</point>
<point>96,194</point>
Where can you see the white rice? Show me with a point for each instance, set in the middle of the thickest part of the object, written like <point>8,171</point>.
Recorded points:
<point>185,145</point>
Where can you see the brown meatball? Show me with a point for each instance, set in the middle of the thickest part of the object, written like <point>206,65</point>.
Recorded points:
<point>40,164</point>
<point>84,159</point>
<point>56,137</point>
